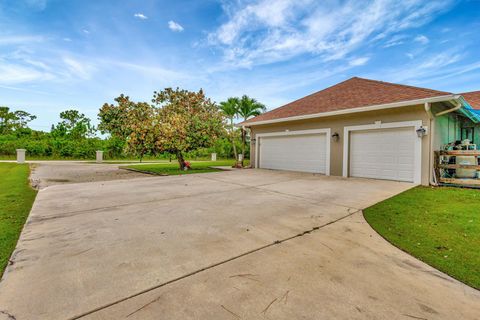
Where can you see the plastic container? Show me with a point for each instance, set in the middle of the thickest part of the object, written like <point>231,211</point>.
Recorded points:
<point>466,173</point>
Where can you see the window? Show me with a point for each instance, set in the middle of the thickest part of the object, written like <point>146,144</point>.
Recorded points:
<point>467,133</point>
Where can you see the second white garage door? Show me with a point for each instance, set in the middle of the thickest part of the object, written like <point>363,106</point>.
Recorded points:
<point>383,154</point>
<point>295,152</point>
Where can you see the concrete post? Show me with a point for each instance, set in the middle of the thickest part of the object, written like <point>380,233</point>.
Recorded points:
<point>240,157</point>
<point>99,156</point>
<point>214,157</point>
<point>21,155</point>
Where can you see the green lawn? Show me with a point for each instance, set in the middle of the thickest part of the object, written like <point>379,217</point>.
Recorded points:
<point>171,168</point>
<point>40,158</point>
<point>128,161</point>
<point>16,199</point>
<point>440,226</point>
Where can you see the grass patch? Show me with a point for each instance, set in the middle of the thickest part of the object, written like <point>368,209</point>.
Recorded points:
<point>171,168</point>
<point>127,161</point>
<point>440,226</point>
<point>16,199</point>
<point>106,158</point>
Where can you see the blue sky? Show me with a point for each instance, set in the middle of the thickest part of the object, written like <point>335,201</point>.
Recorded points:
<point>61,54</point>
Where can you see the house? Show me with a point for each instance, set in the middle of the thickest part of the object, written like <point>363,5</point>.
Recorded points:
<point>364,128</point>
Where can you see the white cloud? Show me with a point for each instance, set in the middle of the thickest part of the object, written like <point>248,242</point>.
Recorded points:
<point>36,63</point>
<point>140,16</point>
<point>262,31</point>
<point>14,73</point>
<point>23,89</point>
<point>22,66</point>
<point>440,60</point>
<point>273,88</point>
<point>77,69</point>
<point>358,61</point>
<point>174,26</point>
<point>392,44</point>
<point>396,40</point>
<point>67,39</point>
<point>86,31</point>
<point>20,39</point>
<point>149,70</point>
<point>425,68</point>
<point>422,39</point>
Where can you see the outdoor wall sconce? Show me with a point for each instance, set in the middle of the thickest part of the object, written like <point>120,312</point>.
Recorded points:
<point>335,137</point>
<point>253,140</point>
<point>421,132</point>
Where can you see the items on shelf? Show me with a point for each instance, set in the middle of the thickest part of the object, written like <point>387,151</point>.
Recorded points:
<point>458,164</point>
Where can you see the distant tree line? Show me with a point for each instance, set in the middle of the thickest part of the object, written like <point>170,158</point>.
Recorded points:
<point>176,123</point>
<point>73,137</point>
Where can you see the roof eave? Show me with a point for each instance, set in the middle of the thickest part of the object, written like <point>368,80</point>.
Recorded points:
<point>354,110</point>
<point>468,111</point>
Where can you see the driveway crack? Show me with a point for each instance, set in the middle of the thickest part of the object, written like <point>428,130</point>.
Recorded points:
<point>9,315</point>
<point>190,274</point>
<point>67,214</point>
<point>229,311</point>
<point>292,196</point>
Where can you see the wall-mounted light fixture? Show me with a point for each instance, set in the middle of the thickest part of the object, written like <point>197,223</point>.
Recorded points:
<point>421,132</point>
<point>335,137</point>
<point>253,140</point>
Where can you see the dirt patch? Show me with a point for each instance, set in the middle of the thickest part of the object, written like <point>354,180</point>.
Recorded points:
<point>46,174</point>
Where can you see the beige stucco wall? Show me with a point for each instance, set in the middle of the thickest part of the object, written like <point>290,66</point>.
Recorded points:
<point>337,124</point>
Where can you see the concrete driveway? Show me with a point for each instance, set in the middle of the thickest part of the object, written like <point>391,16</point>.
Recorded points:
<point>230,245</point>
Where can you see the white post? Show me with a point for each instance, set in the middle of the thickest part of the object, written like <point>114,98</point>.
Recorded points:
<point>99,156</point>
<point>240,157</point>
<point>21,155</point>
<point>214,157</point>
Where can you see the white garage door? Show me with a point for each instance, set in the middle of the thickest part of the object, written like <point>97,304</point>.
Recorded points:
<point>305,152</point>
<point>383,154</point>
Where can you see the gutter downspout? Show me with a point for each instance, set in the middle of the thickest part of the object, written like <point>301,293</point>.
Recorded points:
<point>455,103</point>
<point>431,117</point>
<point>428,109</point>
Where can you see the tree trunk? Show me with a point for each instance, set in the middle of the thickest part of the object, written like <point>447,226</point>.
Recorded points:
<point>181,161</point>
<point>233,142</point>
<point>243,143</point>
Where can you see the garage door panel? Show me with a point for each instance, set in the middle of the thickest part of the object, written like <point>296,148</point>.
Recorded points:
<point>306,153</point>
<point>405,175</point>
<point>383,154</point>
<point>406,161</point>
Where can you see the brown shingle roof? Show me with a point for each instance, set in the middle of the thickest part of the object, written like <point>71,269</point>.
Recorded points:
<point>473,98</point>
<point>352,93</point>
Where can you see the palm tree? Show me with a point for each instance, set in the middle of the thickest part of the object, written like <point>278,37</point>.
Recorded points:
<point>248,107</point>
<point>230,110</point>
